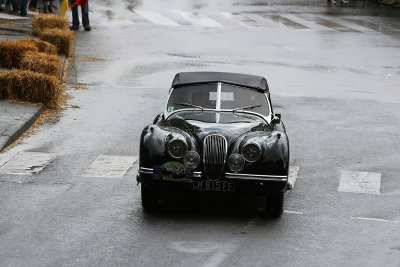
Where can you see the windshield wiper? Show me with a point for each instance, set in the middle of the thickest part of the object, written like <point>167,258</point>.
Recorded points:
<point>188,105</point>
<point>248,107</point>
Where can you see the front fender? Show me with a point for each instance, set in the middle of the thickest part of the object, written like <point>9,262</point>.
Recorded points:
<point>275,153</point>
<point>153,145</point>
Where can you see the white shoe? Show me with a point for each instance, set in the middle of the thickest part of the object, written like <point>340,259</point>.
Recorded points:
<point>332,2</point>
<point>344,2</point>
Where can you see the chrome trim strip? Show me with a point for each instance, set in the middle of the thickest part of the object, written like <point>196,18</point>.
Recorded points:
<point>197,174</point>
<point>214,155</point>
<point>150,171</point>
<point>218,104</point>
<point>256,177</point>
<point>146,170</point>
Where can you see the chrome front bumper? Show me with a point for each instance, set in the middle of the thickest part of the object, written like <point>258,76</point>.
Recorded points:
<point>234,176</point>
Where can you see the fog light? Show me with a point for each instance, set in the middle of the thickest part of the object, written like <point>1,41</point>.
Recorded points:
<point>191,160</point>
<point>236,162</point>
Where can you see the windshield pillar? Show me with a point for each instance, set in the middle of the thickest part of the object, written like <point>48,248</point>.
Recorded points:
<point>218,104</point>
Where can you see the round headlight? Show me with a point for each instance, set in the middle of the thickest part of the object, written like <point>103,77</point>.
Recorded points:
<point>177,148</point>
<point>236,162</point>
<point>251,152</point>
<point>191,160</point>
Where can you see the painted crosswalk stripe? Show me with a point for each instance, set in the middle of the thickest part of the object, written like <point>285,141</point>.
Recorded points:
<point>121,21</point>
<point>241,19</point>
<point>293,172</point>
<point>372,219</point>
<point>198,19</point>
<point>285,21</point>
<point>27,163</point>
<point>330,24</point>
<point>293,212</point>
<point>374,26</point>
<point>109,166</point>
<point>307,23</point>
<point>347,23</point>
<point>360,182</point>
<point>156,18</point>
<point>7,16</point>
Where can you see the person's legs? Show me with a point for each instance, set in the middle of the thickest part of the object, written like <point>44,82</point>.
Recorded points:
<point>85,17</point>
<point>23,7</point>
<point>15,5</point>
<point>75,18</point>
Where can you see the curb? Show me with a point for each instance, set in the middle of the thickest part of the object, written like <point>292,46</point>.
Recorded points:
<point>19,128</point>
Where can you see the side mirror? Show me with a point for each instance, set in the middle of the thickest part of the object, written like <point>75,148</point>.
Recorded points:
<point>277,118</point>
<point>158,118</point>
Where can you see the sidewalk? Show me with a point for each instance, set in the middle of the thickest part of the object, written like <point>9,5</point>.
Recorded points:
<point>15,118</point>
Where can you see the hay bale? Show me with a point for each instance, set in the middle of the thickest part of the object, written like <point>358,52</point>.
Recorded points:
<point>11,52</point>
<point>43,46</point>
<point>30,86</point>
<point>46,21</point>
<point>62,39</point>
<point>41,62</point>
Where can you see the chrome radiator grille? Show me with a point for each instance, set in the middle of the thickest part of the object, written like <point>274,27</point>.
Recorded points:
<point>214,156</point>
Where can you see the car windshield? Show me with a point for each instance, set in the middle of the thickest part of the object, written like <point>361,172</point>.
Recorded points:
<point>207,96</point>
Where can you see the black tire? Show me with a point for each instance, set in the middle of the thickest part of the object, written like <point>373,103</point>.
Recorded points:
<point>274,204</point>
<point>150,199</point>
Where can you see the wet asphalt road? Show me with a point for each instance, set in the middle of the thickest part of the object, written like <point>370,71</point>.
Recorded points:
<point>335,81</point>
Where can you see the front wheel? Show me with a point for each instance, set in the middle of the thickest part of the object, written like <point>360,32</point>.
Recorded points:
<point>150,198</point>
<point>274,204</point>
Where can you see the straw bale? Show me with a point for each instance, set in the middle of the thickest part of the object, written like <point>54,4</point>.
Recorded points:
<point>11,52</point>
<point>30,86</point>
<point>42,62</point>
<point>46,21</point>
<point>43,46</point>
<point>62,39</point>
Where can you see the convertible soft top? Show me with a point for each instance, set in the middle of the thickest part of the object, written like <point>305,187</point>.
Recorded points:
<point>256,82</point>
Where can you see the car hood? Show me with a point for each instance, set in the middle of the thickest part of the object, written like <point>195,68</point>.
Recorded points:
<point>229,125</point>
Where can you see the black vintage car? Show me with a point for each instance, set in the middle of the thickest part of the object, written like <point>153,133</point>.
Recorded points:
<point>218,134</point>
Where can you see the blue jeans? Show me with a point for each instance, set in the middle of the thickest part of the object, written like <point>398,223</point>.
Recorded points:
<point>85,15</point>
<point>20,5</point>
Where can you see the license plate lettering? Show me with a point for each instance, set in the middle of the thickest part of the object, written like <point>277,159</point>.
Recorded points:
<point>214,186</point>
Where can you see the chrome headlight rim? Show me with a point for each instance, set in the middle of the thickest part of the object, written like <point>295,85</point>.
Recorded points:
<point>174,140</point>
<point>196,155</point>
<point>230,158</point>
<point>259,149</point>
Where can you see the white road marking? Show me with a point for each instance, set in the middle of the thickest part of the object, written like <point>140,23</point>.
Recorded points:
<point>242,20</point>
<point>372,219</point>
<point>109,166</point>
<point>293,172</point>
<point>346,23</point>
<point>231,246</point>
<point>309,24</point>
<point>121,21</point>
<point>156,18</point>
<point>293,212</point>
<point>27,163</point>
<point>360,182</point>
<point>7,16</point>
<point>199,19</point>
<point>195,247</point>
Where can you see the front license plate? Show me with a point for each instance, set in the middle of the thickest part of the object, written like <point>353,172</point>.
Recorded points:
<point>214,186</point>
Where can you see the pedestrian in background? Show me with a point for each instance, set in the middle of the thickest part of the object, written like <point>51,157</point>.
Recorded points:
<point>48,6</point>
<point>32,6</point>
<point>19,6</point>
<point>85,15</point>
